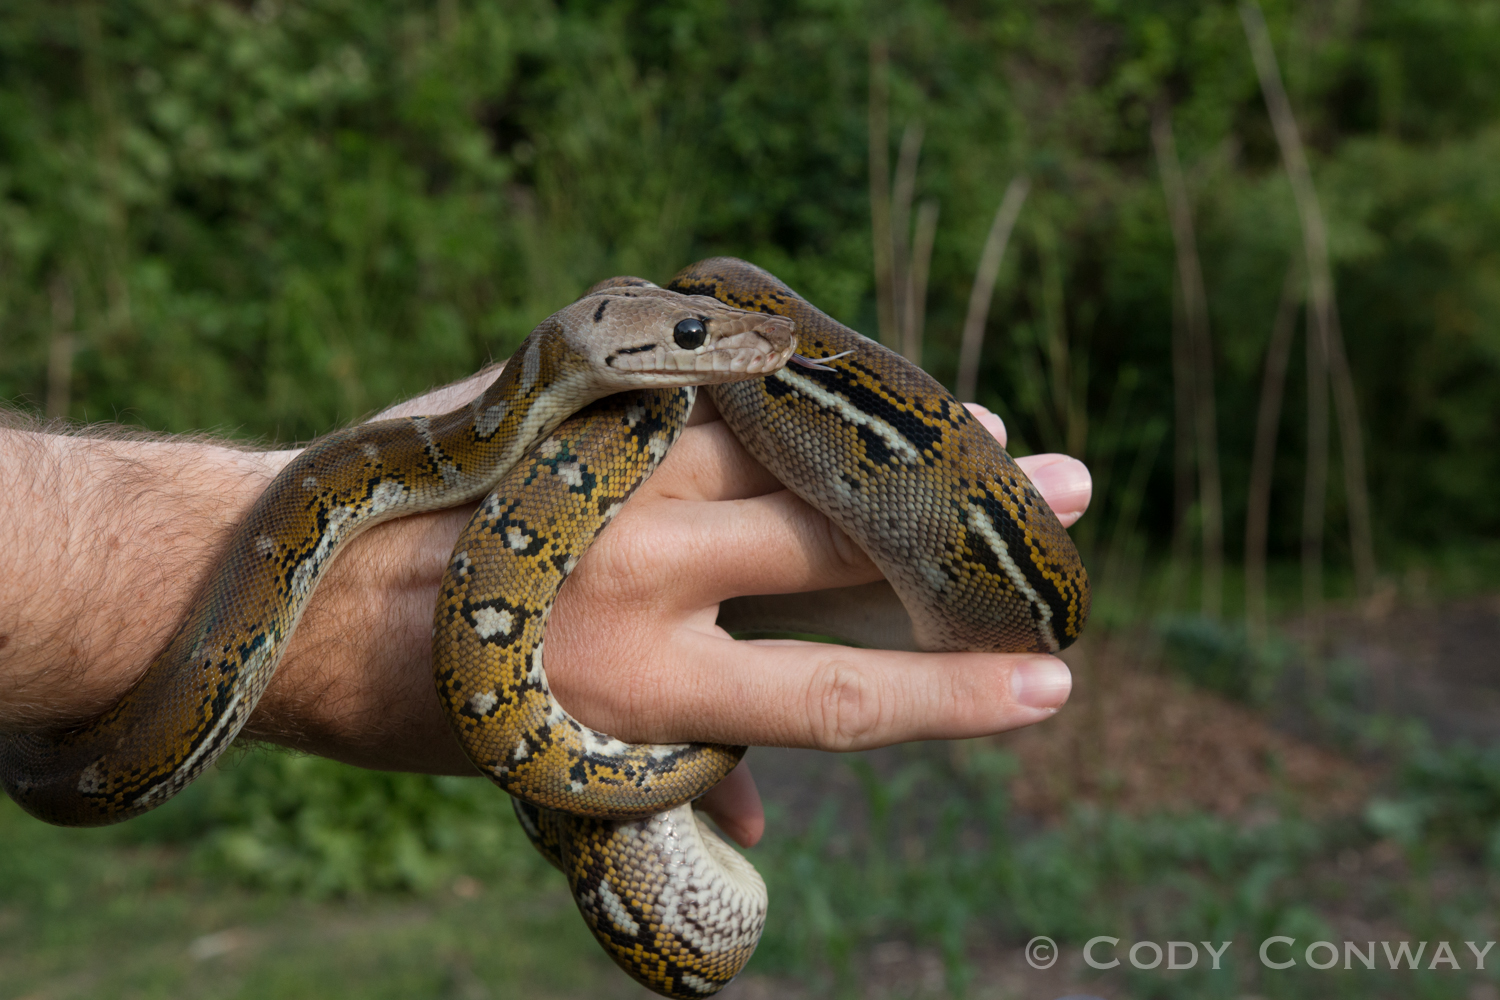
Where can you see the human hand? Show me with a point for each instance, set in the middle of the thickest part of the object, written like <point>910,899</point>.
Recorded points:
<point>633,648</point>
<point>632,644</point>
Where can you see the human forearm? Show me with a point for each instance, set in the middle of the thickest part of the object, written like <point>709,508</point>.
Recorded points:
<point>105,542</point>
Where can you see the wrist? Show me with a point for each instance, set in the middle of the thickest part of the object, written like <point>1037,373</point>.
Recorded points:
<point>355,684</point>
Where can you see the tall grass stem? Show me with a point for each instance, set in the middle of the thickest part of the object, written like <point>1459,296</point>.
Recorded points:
<point>985,276</point>
<point>880,190</point>
<point>1320,292</point>
<point>1199,370</point>
<point>1263,458</point>
<point>903,191</point>
<point>916,280</point>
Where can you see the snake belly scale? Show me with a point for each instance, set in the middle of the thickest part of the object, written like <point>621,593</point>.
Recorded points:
<point>976,557</point>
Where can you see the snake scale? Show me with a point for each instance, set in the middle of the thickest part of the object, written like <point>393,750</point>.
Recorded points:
<point>583,413</point>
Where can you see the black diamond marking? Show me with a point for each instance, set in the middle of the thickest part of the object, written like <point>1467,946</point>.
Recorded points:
<point>579,772</point>
<point>985,556</point>
<point>588,480</point>
<point>473,613</point>
<point>502,526</point>
<point>248,648</point>
<point>608,500</point>
<point>876,452</point>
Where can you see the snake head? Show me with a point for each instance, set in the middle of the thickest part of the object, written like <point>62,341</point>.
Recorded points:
<point>638,335</point>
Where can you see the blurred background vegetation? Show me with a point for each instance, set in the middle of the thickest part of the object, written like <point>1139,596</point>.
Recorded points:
<point>271,218</point>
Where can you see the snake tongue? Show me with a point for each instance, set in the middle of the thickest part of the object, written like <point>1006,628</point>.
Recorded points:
<point>817,365</point>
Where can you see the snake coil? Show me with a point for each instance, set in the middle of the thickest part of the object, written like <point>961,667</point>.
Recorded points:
<point>586,410</point>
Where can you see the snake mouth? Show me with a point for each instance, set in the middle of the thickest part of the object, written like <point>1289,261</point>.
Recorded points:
<point>747,361</point>
<point>746,349</point>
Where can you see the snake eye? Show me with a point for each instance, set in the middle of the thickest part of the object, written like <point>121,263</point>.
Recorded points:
<point>690,333</point>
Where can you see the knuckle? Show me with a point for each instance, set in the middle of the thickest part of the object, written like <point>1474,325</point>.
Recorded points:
<point>623,567</point>
<point>851,558</point>
<point>847,707</point>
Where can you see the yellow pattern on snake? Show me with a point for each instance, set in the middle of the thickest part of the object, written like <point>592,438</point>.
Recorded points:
<point>977,558</point>
<point>976,555</point>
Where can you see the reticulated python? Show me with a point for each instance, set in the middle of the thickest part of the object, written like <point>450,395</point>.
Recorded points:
<point>977,558</point>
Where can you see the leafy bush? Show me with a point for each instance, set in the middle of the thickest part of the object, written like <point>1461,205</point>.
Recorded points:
<point>274,217</point>
<point>319,828</point>
<point>1220,657</point>
<point>1445,796</point>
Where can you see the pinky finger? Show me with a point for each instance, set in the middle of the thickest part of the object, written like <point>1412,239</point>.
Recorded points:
<point>734,804</point>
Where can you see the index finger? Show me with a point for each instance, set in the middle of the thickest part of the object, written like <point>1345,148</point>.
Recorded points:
<point>821,696</point>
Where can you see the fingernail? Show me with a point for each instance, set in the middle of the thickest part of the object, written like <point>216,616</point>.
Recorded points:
<point>1041,683</point>
<point>989,421</point>
<point>1062,481</point>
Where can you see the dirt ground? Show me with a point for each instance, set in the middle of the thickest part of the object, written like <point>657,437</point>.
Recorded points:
<point>1135,738</point>
<point>1437,662</point>
<point>1138,740</point>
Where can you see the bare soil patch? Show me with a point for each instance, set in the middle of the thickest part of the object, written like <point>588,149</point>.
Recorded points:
<point>1136,740</point>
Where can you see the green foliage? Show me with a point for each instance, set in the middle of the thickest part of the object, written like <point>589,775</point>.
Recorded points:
<point>1220,657</point>
<point>1447,796</point>
<point>84,916</point>
<point>271,218</point>
<point>318,828</point>
<point>939,859</point>
<point>945,864</point>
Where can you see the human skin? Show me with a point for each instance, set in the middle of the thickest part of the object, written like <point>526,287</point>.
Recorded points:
<point>106,540</point>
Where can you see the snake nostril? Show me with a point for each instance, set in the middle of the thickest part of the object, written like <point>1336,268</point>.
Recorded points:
<point>690,333</point>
